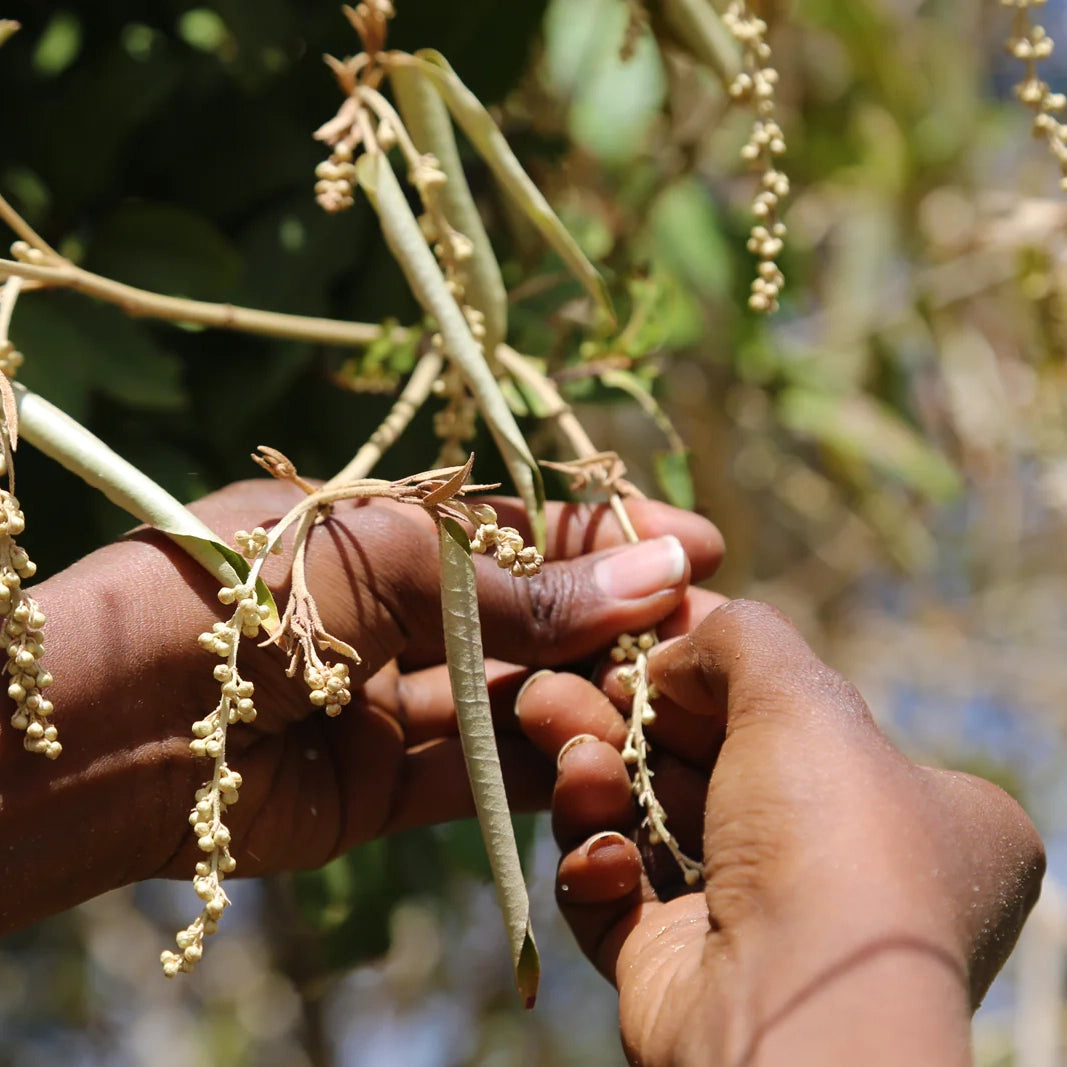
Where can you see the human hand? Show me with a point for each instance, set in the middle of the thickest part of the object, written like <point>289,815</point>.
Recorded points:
<point>857,906</point>
<point>121,642</point>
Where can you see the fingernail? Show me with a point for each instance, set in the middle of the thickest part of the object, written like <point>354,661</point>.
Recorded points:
<point>604,839</point>
<point>642,569</point>
<point>526,685</point>
<point>574,742</point>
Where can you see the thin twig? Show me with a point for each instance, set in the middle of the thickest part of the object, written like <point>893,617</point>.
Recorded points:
<point>9,215</point>
<point>65,275</point>
<point>9,294</point>
<point>567,422</point>
<point>411,398</point>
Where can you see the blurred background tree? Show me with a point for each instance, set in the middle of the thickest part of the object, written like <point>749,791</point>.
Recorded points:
<point>887,457</point>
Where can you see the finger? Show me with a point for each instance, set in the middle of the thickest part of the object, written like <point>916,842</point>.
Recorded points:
<point>379,579</point>
<point>422,703</point>
<point>553,708</point>
<point>433,786</point>
<point>374,573</point>
<point>578,529</point>
<point>748,661</point>
<point>600,891</point>
<point>572,529</point>
<point>592,792</point>
<point>693,610</point>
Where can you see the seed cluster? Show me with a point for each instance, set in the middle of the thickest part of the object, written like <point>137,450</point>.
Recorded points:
<point>512,553</point>
<point>756,85</point>
<point>213,839</point>
<point>22,637</point>
<point>1030,44</point>
<point>632,654</point>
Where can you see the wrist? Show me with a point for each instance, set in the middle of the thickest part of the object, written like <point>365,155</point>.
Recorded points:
<point>869,971</point>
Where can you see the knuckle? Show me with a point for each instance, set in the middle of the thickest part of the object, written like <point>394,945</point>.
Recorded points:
<point>544,602</point>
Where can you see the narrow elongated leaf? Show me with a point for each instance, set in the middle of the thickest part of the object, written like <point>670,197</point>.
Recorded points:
<point>466,670</point>
<point>699,29</point>
<point>69,443</point>
<point>430,125</point>
<point>405,240</point>
<point>491,144</point>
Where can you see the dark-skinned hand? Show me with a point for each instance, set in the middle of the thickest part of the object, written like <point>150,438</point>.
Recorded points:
<point>121,642</point>
<point>856,905</point>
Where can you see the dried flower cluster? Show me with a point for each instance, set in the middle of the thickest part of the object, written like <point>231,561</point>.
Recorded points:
<point>303,635</point>
<point>215,796</point>
<point>10,359</point>
<point>632,653</point>
<point>1030,44</point>
<point>213,838</point>
<point>756,84</point>
<point>456,423</point>
<point>22,632</point>
<point>22,637</point>
<point>366,120</point>
<point>351,126</point>
<point>506,544</point>
<point>336,180</point>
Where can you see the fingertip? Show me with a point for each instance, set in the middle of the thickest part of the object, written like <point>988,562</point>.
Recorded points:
<point>604,869</point>
<point>525,687</point>
<point>640,570</point>
<point>592,793</point>
<point>555,707</point>
<point>703,542</point>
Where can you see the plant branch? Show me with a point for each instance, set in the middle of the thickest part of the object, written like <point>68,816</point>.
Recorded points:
<point>70,444</point>
<point>560,412</point>
<point>62,274</point>
<point>411,398</point>
<point>9,215</point>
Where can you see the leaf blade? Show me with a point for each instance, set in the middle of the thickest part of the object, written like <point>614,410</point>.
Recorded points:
<point>405,240</point>
<point>466,670</point>
<point>430,126</point>
<point>53,432</point>
<point>491,144</point>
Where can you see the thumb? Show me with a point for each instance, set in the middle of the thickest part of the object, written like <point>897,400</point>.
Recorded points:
<point>376,579</point>
<point>576,607</point>
<point>747,662</point>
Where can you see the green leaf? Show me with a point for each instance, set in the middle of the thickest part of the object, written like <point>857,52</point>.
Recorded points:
<point>430,126</point>
<point>69,443</point>
<point>699,29</point>
<point>490,143</point>
<point>675,478</point>
<point>406,242</point>
<point>689,238</point>
<point>859,427</point>
<point>466,671</point>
